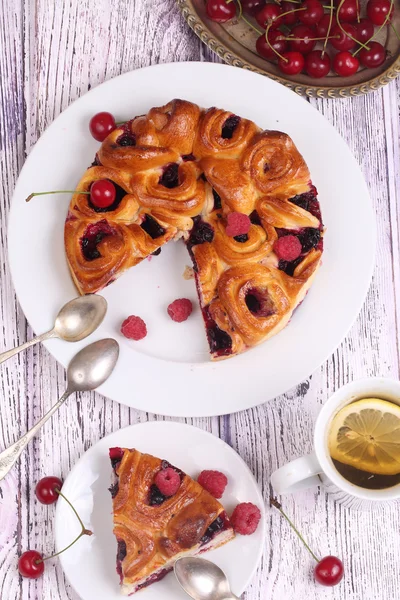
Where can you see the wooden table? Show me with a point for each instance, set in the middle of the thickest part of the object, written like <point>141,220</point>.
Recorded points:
<point>50,54</point>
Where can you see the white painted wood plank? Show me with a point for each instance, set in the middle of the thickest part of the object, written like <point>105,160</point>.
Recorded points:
<point>50,54</point>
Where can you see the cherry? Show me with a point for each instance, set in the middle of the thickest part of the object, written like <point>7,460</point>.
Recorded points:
<point>276,39</point>
<point>291,17</point>
<point>364,30</point>
<point>102,193</point>
<point>220,11</point>
<point>374,57</point>
<point>269,15</point>
<point>30,564</point>
<point>329,571</point>
<point>345,64</point>
<point>101,124</point>
<point>313,12</point>
<point>348,11</point>
<point>323,26</point>
<point>303,41</point>
<point>291,63</point>
<point>251,7</point>
<point>318,64</point>
<point>341,41</point>
<point>46,490</point>
<point>380,10</point>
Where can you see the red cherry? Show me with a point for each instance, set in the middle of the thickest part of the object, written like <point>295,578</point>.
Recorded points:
<point>329,571</point>
<point>364,30</point>
<point>313,13</point>
<point>30,564</point>
<point>251,7</point>
<point>341,41</point>
<point>101,125</point>
<point>220,11</point>
<point>317,64</point>
<point>276,39</point>
<point>102,193</point>
<point>268,16</point>
<point>46,490</point>
<point>378,11</point>
<point>292,63</point>
<point>345,64</point>
<point>291,18</point>
<point>348,11</point>
<point>323,26</point>
<point>303,41</point>
<point>374,57</point>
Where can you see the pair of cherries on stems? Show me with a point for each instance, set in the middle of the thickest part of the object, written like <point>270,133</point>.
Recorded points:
<point>102,192</point>
<point>31,563</point>
<point>341,28</point>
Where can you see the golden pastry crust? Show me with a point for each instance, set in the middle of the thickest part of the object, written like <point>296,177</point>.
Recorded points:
<point>179,172</point>
<point>152,535</point>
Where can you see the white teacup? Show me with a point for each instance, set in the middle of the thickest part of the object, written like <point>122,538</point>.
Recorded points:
<point>318,467</point>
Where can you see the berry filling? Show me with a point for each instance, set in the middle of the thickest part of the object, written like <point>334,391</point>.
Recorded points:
<point>289,267</point>
<point>217,200</point>
<point>154,578</point>
<point>156,252</point>
<point>255,218</point>
<point>241,238</point>
<point>127,139</point>
<point>152,227</point>
<point>188,157</point>
<point>201,232</point>
<point>169,178</point>
<point>119,194</point>
<point>308,201</point>
<point>309,238</point>
<point>116,455</point>
<point>220,524</point>
<point>121,551</point>
<point>92,237</point>
<point>259,303</point>
<point>220,342</point>
<point>96,162</point>
<point>229,127</point>
<point>113,489</point>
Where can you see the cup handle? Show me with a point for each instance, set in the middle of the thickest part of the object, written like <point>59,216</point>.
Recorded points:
<point>299,474</point>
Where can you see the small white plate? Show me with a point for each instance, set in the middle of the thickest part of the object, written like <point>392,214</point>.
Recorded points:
<point>90,564</point>
<point>169,372</point>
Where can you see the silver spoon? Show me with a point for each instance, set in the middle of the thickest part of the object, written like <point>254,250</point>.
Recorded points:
<point>87,370</point>
<point>76,320</point>
<point>202,579</point>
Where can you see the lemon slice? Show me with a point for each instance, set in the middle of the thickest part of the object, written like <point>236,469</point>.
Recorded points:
<point>366,435</point>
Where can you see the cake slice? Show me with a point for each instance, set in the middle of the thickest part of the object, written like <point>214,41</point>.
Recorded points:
<point>153,530</point>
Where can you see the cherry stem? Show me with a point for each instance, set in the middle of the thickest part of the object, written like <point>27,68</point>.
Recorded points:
<point>54,192</point>
<point>240,16</point>
<point>346,32</point>
<point>388,16</point>
<point>83,532</point>
<point>288,12</point>
<point>274,502</point>
<point>329,29</point>
<point>395,31</point>
<point>358,10</point>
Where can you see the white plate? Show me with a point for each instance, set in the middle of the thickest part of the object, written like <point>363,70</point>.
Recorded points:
<point>169,372</point>
<point>90,565</point>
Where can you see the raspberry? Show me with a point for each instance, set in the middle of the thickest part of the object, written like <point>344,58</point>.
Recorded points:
<point>288,248</point>
<point>168,481</point>
<point>214,482</point>
<point>245,518</point>
<point>238,224</point>
<point>179,310</point>
<point>134,328</point>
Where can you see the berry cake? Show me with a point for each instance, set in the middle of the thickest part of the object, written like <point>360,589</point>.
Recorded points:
<point>230,190</point>
<point>153,529</point>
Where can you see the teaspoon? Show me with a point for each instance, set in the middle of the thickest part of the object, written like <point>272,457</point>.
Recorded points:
<point>76,320</point>
<point>202,579</point>
<point>87,370</point>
